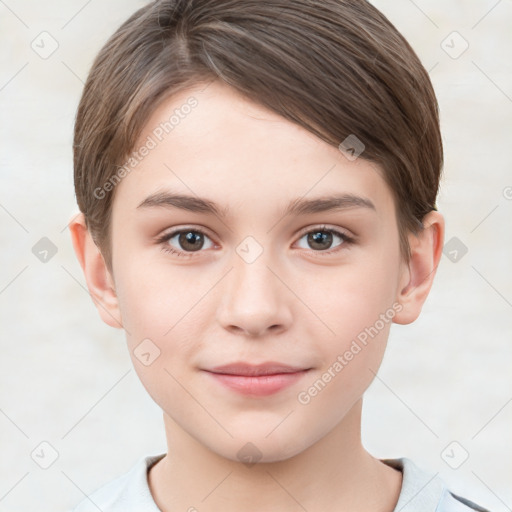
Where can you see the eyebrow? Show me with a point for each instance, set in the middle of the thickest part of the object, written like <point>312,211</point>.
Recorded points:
<point>298,206</point>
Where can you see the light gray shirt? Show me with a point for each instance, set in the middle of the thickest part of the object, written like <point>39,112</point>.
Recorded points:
<point>421,492</point>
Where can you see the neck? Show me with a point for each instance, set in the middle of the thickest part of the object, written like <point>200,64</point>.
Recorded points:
<point>335,473</point>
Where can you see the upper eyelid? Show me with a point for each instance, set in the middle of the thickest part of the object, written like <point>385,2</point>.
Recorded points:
<point>326,227</point>
<point>171,233</point>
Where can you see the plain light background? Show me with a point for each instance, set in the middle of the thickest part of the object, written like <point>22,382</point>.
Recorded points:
<point>444,390</point>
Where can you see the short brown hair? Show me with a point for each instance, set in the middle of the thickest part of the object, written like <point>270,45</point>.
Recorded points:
<point>335,67</point>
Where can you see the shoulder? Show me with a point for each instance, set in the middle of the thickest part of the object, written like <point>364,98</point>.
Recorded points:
<point>424,491</point>
<point>128,492</point>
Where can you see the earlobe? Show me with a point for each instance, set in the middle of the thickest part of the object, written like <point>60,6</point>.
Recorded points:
<point>99,280</point>
<point>417,278</point>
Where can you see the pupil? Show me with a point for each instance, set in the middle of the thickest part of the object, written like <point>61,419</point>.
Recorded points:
<point>193,240</point>
<point>319,237</point>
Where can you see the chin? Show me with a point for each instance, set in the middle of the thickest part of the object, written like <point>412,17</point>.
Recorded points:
<point>250,449</point>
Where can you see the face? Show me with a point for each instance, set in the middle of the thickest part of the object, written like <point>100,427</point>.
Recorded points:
<point>279,259</point>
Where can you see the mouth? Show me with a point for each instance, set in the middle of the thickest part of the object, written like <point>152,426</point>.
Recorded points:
<point>257,380</point>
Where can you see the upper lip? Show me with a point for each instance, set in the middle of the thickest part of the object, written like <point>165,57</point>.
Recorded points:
<point>247,369</point>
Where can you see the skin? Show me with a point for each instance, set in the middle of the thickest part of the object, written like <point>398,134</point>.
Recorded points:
<point>295,303</point>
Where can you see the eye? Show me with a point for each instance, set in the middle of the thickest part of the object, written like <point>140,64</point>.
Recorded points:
<point>185,242</point>
<point>188,241</point>
<point>322,238</point>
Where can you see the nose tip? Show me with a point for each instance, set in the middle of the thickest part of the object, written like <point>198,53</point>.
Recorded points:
<point>253,301</point>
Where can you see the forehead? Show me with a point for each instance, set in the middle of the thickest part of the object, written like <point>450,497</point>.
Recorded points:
<point>211,142</point>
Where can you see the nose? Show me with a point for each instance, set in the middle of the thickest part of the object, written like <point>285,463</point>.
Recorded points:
<point>254,300</point>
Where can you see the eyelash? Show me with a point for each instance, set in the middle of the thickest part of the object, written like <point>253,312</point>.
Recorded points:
<point>347,240</point>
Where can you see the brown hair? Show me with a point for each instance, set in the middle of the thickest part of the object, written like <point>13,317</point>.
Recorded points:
<point>335,67</point>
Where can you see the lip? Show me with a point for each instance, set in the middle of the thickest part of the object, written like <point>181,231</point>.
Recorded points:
<point>256,370</point>
<point>257,380</point>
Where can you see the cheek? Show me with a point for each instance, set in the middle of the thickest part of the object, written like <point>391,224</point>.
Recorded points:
<point>356,304</point>
<point>352,299</point>
<point>163,315</point>
<point>350,363</point>
<point>160,318</point>
<point>155,303</point>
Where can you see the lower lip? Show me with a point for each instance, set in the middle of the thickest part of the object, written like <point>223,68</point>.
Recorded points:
<point>262,385</point>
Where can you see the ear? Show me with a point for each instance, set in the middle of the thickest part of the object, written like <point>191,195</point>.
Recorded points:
<point>417,277</point>
<point>99,280</point>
